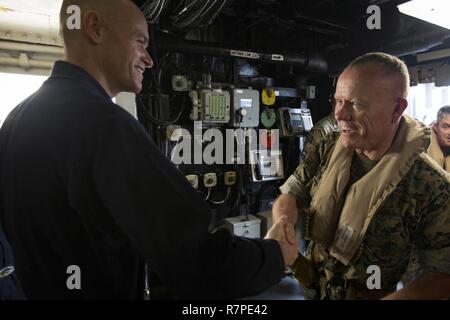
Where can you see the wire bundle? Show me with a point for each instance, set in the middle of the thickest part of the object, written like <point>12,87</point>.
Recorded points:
<point>153,9</point>
<point>197,13</point>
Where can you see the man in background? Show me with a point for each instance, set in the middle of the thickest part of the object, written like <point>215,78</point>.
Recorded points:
<point>439,148</point>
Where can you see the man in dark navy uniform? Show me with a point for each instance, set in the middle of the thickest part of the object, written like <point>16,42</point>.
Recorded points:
<point>86,197</point>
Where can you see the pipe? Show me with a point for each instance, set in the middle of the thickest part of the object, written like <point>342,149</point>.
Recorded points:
<point>25,63</point>
<point>314,63</point>
<point>19,46</point>
<point>405,46</point>
<point>416,44</point>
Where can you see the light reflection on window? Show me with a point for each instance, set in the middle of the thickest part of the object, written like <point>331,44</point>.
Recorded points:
<point>425,99</point>
<point>14,88</point>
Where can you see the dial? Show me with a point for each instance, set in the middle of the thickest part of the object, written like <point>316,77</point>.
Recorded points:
<point>268,118</point>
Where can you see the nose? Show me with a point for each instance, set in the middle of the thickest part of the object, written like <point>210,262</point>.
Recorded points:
<point>147,59</point>
<point>447,133</point>
<point>342,112</point>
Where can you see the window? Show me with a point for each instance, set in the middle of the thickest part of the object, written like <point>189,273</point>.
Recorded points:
<point>424,101</point>
<point>14,88</point>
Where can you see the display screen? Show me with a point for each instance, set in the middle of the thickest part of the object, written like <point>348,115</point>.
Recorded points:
<point>296,117</point>
<point>246,103</point>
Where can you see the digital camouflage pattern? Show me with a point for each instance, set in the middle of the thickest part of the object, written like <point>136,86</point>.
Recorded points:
<point>322,128</point>
<point>412,224</point>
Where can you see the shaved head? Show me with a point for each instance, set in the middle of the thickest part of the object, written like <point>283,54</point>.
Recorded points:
<point>105,9</point>
<point>385,65</point>
<point>370,99</point>
<point>110,42</point>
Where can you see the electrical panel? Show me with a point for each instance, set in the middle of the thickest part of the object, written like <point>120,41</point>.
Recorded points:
<point>233,119</point>
<point>210,106</point>
<point>266,165</point>
<point>295,122</point>
<point>245,108</point>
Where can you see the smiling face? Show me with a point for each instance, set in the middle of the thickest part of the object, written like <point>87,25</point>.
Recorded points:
<point>124,49</point>
<point>367,108</point>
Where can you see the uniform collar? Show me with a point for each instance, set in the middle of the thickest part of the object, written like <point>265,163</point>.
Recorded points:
<point>67,70</point>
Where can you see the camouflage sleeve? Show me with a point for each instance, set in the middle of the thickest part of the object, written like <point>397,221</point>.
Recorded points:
<point>299,183</point>
<point>432,241</point>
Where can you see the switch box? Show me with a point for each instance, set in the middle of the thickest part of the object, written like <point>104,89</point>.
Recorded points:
<point>245,104</point>
<point>173,133</point>
<point>193,179</point>
<point>230,178</point>
<point>210,180</point>
<point>244,226</point>
<point>311,92</point>
<point>179,83</point>
<point>266,166</point>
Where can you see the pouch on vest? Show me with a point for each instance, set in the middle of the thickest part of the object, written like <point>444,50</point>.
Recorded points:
<point>304,271</point>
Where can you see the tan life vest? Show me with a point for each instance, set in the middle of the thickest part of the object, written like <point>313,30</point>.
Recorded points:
<point>341,232</point>
<point>435,151</point>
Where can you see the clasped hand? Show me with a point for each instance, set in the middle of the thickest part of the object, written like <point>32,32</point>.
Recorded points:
<point>284,232</point>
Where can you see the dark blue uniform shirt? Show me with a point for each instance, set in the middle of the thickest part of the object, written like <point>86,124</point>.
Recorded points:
<point>9,286</point>
<point>82,184</point>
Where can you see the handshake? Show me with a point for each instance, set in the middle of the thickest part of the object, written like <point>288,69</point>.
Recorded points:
<point>284,232</point>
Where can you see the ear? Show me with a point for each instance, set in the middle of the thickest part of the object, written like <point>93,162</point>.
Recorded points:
<point>434,126</point>
<point>400,107</point>
<point>92,26</point>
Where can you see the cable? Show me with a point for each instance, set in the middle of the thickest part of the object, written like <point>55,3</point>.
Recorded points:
<point>213,17</point>
<point>153,9</point>
<point>227,196</point>
<point>147,114</point>
<point>208,194</point>
<point>205,12</point>
<point>198,13</point>
<point>162,66</point>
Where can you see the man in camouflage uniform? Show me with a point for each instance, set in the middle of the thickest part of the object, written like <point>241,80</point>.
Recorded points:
<point>370,196</point>
<point>318,132</point>
<point>439,148</point>
<point>323,127</point>
<point>320,129</point>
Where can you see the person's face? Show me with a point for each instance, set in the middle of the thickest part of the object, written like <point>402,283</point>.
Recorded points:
<point>442,129</point>
<point>365,105</point>
<point>125,50</point>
